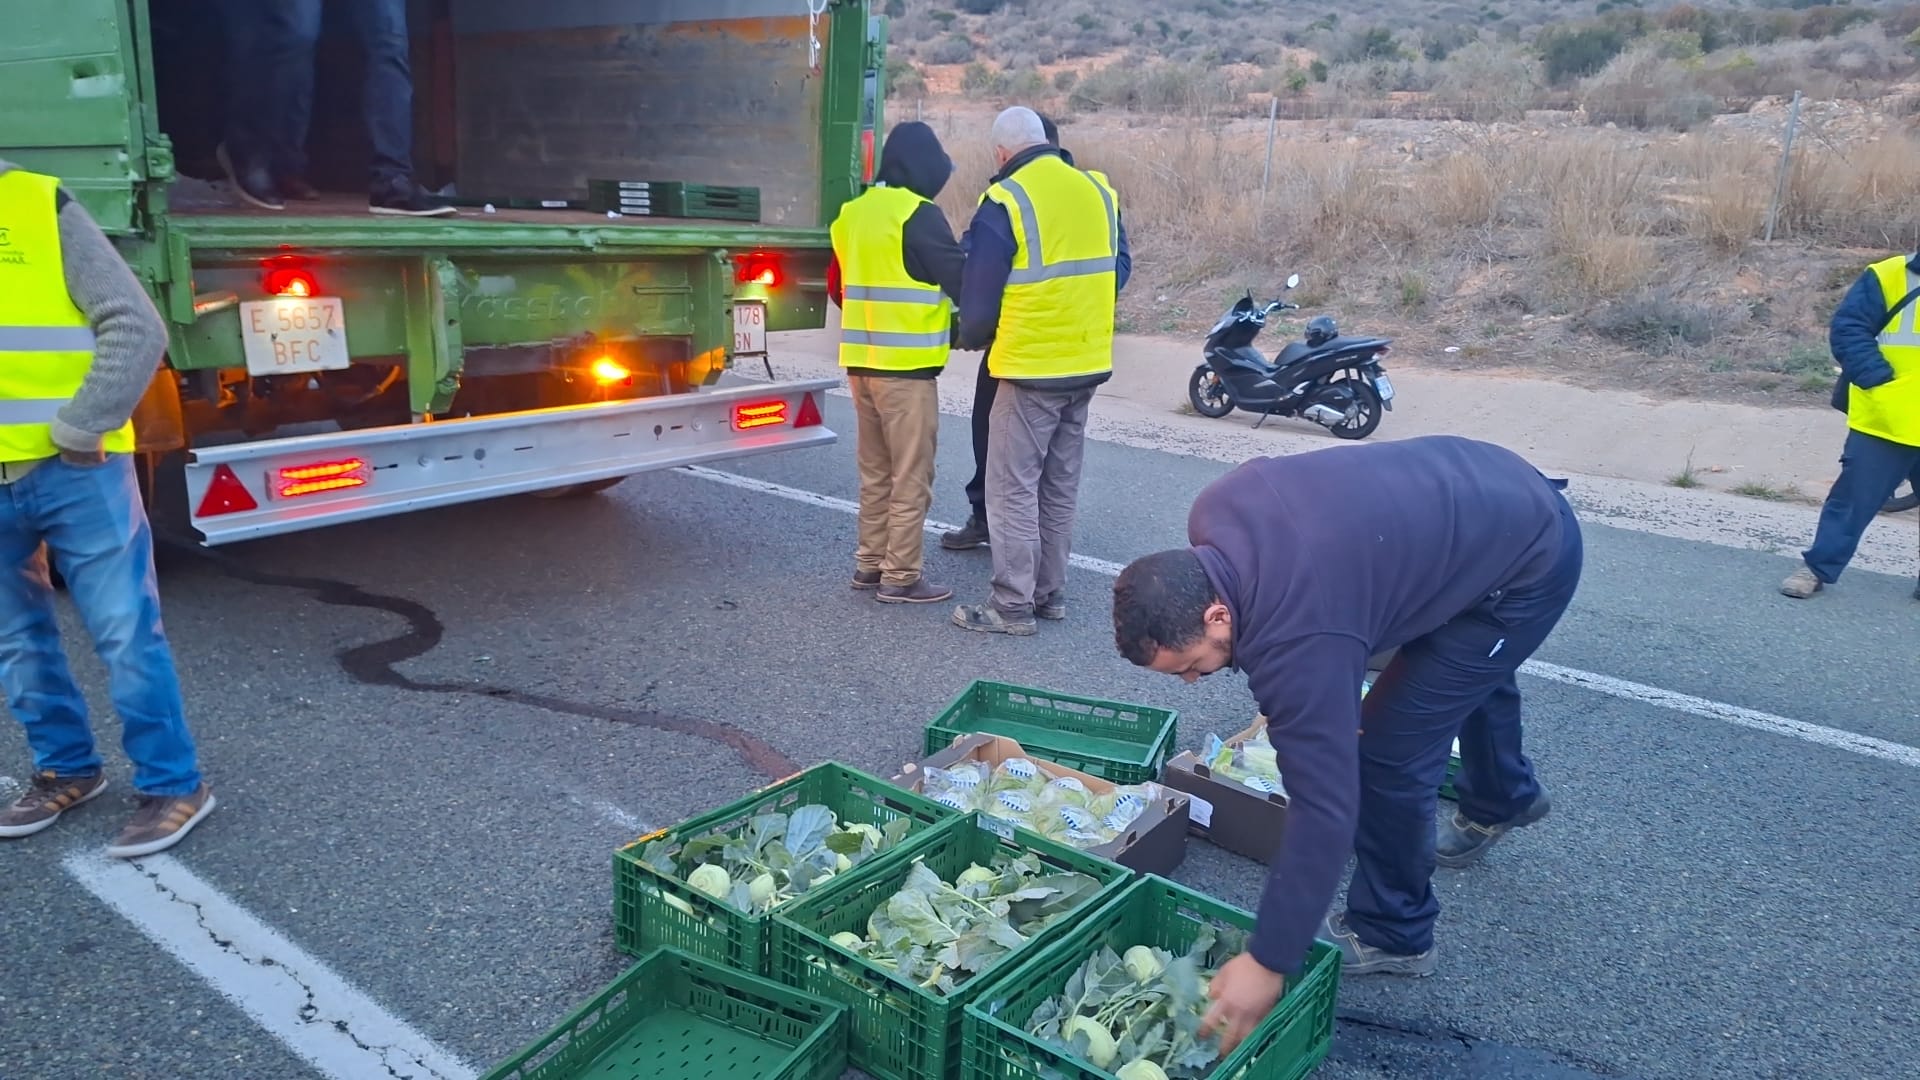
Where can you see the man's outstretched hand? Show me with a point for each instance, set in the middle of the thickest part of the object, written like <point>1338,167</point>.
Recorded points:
<point>1243,994</point>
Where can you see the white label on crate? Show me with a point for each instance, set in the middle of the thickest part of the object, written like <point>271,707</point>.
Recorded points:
<point>1199,811</point>
<point>999,827</point>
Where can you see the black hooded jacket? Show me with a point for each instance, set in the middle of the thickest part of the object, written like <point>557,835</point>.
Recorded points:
<point>914,159</point>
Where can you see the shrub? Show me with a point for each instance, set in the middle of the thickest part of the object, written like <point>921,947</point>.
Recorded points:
<point>903,78</point>
<point>1656,321</point>
<point>950,49</point>
<point>1577,53</point>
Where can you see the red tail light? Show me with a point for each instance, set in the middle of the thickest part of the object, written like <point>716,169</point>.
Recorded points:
<point>289,281</point>
<point>759,268</point>
<point>809,414</point>
<point>226,494</point>
<point>291,483</point>
<point>759,415</point>
<point>866,155</point>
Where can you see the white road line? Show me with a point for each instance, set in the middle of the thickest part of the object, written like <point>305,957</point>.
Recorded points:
<point>1865,745</point>
<point>322,1018</point>
<point>633,823</point>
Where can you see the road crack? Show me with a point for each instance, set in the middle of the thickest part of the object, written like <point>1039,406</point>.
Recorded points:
<point>373,664</point>
<point>309,1012</point>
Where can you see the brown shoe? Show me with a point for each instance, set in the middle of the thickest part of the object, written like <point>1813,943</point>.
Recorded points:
<point>866,579</point>
<point>48,798</point>
<point>1800,584</point>
<point>920,592</point>
<point>1053,607</point>
<point>161,822</point>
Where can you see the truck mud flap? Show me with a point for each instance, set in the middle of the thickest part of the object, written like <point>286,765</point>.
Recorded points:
<point>246,491</point>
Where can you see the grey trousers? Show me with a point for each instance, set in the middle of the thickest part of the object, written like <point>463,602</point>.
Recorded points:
<point>1035,447</point>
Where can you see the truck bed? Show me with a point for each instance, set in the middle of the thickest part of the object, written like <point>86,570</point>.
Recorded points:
<point>210,218</point>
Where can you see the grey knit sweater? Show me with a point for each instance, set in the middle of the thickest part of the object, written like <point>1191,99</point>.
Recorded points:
<point>129,336</point>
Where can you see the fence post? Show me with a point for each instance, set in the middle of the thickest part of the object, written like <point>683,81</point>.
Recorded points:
<point>1273,117</point>
<point>1786,161</point>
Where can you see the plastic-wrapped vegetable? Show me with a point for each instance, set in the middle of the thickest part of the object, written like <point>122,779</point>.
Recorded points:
<point>1022,793</point>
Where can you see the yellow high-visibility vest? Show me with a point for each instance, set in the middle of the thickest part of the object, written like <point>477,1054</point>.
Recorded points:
<point>1892,409</point>
<point>46,346</point>
<point>889,321</point>
<point>1056,317</point>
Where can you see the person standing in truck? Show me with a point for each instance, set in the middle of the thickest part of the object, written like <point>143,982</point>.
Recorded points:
<point>1042,274</point>
<point>974,533</point>
<point>1875,338</point>
<point>1464,557</point>
<point>895,273</point>
<point>79,344</point>
<point>271,48</point>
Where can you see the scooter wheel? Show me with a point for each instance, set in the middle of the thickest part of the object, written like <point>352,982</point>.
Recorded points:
<point>1901,503</point>
<point>1207,394</point>
<point>1368,419</point>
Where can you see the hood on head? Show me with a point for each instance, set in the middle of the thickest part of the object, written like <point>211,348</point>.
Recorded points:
<point>914,159</point>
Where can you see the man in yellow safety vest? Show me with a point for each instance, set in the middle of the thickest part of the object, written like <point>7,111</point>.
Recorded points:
<point>895,272</point>
<point>1044,267</point>
<point>79,344</point>
<point>1876,340</point>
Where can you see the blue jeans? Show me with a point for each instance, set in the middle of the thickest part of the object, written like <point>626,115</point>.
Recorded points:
<point>1871,469</point>
<point>270,56</point>
<point>93,523</point>
<point>1458,681</point>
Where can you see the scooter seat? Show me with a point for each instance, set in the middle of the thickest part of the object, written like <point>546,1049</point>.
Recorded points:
<point>1292,353</point>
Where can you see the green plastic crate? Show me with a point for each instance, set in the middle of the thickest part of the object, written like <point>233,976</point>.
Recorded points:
<point>675,1017</point>
<point>1127,744</point>
<point>674,198</point>
<point>644,920</point>
<point>1290,1043</point>
<point>900,1031</point>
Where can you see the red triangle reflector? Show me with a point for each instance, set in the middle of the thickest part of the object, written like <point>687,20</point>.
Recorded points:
<point>226,494</point>
<point>809,414</point>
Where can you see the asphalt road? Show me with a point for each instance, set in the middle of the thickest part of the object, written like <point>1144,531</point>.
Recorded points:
<point>428,734</point>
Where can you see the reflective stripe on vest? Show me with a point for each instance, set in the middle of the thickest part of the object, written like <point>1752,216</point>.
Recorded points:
<point>1892,410</point>
<point>1057,313</point>
<point>46,346</point>
<point>889,321</point>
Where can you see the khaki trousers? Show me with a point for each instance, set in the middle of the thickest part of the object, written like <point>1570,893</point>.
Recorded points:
<point>899,420</point>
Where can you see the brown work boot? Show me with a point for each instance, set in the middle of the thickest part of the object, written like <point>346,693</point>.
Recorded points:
<point>1800,584</point>
<point>921,591</point>
<point>161,822</point>
<point>48,798</point>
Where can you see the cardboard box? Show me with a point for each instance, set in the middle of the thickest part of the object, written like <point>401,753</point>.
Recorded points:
<point>1225,812</point>
<point>1156,842</point>
<point>1231,815</point>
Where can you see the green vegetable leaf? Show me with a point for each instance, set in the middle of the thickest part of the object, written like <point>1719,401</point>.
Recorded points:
<point>807,829</point>
<point>763,830</point>
<point>659,856</point>
<point>896,830</point>
<point>740,896</point>
<point>914,913</point>
<point>845,843</point>
<point>703,848</point>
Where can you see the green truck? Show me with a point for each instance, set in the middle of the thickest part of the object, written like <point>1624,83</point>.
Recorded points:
<point>327,365</point>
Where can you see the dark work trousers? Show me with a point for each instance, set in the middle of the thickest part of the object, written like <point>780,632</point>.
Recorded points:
<point>1871,469</point>
<point>984,386</point>
<point>1457,681</point>
<point>271,53</point>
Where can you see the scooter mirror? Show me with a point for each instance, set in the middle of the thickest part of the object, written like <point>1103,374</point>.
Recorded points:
<point>1293,281</point>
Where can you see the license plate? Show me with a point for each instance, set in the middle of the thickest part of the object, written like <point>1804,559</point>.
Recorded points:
<point>1385,386</point>
<point>291,335</point>
<point>749,328</point>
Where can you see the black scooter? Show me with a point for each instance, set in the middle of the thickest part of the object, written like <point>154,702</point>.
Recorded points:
<point>1334,381</point>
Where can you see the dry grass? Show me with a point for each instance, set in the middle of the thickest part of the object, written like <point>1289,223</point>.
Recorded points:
<point>1622,245</point>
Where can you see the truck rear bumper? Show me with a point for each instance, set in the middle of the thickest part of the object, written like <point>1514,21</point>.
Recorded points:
<point>251,490</point>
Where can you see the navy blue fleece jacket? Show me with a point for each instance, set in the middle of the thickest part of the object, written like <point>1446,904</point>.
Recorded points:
<point>1325,559</point>
<point>989,245</point>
